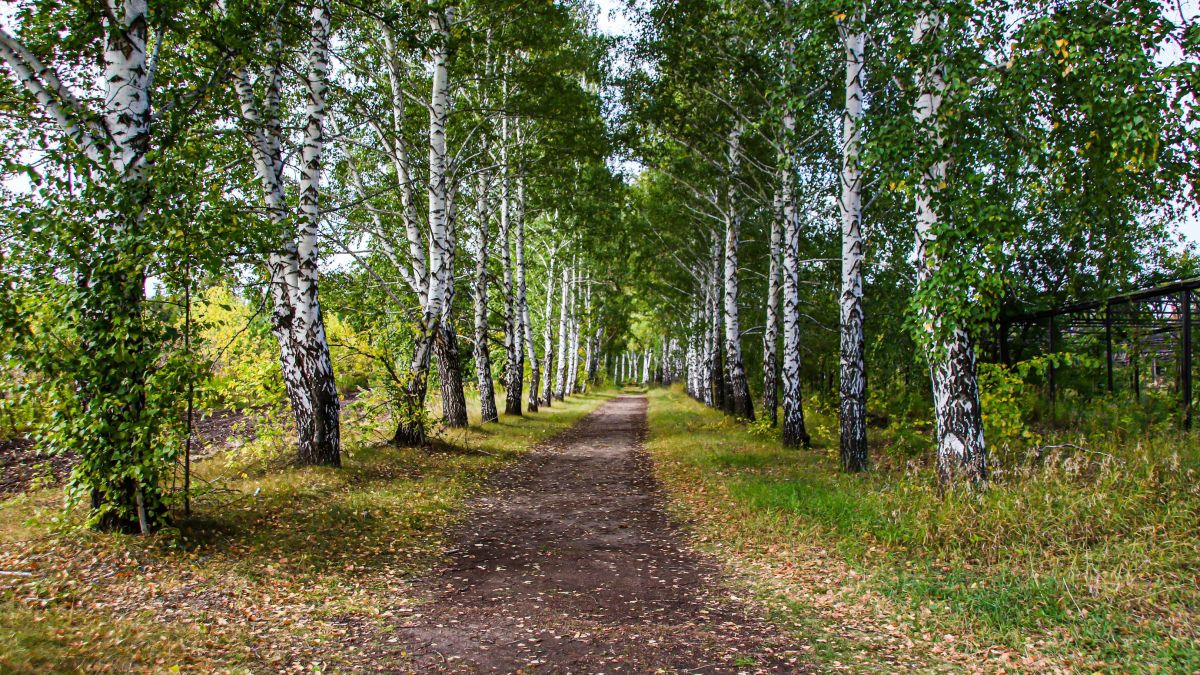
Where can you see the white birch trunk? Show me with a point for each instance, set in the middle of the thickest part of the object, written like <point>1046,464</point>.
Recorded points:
<point>962,453</point>
<point>794,431</point>
<point>310,326</point>
<point>587,359</point>
<point>402,163</point>
<point>573,367</point>
<point>852,380</point>
<point>410,428</point>
<point>296,313</point>
<point>548,341</point>
<point>771,330</point>
<point>454,400</point>
<point>514,332</point>
<point>483,362</point>
<point>593,359</point>
<point>523,299</point>
<point>741,405</point>
<point>547,384</point>
<point>560,382</point>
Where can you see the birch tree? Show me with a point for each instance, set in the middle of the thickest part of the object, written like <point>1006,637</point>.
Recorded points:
<point>771,328</point>
<point>741,403</point>
<point>296,317</point>
<point>853,376</point>
<point>103,105</point>
<point>483,364</point>
<point>411,427</point>
<point>960,441</point>
<point>560,382</point>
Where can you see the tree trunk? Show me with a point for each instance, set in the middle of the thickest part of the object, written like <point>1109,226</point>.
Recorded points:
<point>593,358</point>
<point>962,454</point>
<point>715,374</point>
<point>514,333</point>
<point>852,365</point>
<point>581,336</point>
<point>411,423</point>
<point>771,330</point>
<point>548,340</point>
<point>410,413</point>
<point>573,361</point>
<point>523,297</point>
<point>742,405</point>
<point>483,361</point>
<point>560,383</point>
<point>323,447</point>
<point>794,431</point>
<point>454,398</point>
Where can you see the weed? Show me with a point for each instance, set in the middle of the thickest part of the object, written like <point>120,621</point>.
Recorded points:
<point>1083,553</point>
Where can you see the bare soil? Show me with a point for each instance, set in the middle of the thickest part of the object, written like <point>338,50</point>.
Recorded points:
<point>571,564</point>
<point>23,467</point>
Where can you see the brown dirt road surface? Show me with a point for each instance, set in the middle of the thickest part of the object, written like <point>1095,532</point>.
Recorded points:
<point>571,564</point>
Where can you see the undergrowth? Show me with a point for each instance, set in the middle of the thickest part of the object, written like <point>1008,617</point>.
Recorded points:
<point>279,567</point>
<point>1084,553</point>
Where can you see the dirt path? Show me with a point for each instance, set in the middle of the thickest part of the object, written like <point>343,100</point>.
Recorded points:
<point>571,565</point>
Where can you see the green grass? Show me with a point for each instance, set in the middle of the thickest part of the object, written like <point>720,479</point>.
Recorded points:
<point>1082,560</point>
<point>269,571</point>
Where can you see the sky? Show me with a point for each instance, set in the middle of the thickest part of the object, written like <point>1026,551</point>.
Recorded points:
<point>612,20</point>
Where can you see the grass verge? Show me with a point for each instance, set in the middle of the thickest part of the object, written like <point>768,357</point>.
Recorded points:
<point>279,568</point>
<point>1085,561</point>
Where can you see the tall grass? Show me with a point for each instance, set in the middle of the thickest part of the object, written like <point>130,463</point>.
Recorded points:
<point>1085,547</point>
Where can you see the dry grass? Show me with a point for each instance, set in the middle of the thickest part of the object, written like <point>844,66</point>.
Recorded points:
<point>1080,560</point>
<point>277,569</point>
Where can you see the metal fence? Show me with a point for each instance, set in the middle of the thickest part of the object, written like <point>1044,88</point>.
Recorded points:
<point>1152,327</point>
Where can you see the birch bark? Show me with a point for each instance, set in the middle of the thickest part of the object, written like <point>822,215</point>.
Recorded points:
<point>771,330</point>
<point>483,363</point>
<point>548,338</point>
<point>296,318</point>
<point>962,454</point>
<point>454,399</point>
<point>741,404</point>
<point>324,446</point>
<point>573,361</point>
<point>514,331</point>
<point>794,431</point>
<point>853,378</point>
<point>411,424</point>
<point>523,297</point>
<point>560,382</point>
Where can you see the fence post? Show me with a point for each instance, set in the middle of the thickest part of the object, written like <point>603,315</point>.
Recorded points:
<point>1186,360</point>
<point>1051,382</point>
<point>1108,350</point>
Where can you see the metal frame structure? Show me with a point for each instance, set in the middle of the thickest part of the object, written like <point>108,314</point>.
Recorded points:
<point>1171,311</point>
